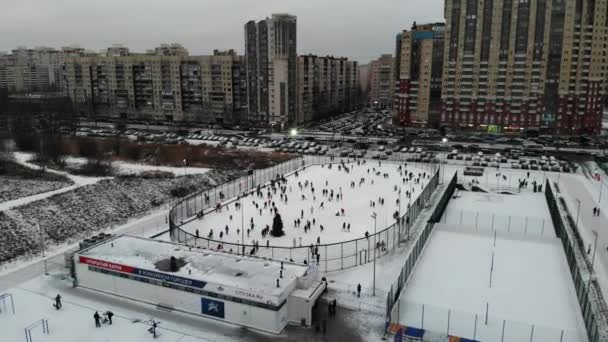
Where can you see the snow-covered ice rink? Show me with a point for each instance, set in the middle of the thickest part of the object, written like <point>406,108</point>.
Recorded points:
<point>531,284</point>
<point>359,203</point>
<point>525,213</point>
<point>530,279</point>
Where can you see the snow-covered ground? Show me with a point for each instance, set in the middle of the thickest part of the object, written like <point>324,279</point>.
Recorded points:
<point>359,203</point>
<point>12,188</point>
<point>23,159</point>
<point>523,281</point>
<point>342,284</point>
<point>134,169</point>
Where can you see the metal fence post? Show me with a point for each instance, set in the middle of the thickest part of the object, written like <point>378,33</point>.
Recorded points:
<point>422,321</point>
<point>475,328</point>
<point>325,258</point>
<point>532,333</point>
<point>341,255</point>
<point>448,331</point>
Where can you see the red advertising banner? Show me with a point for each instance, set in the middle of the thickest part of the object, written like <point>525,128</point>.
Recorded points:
<point>106,264</point>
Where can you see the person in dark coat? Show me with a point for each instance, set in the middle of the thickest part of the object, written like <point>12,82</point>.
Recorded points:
<point>97,317</point>
<point>58,302</point>
<point>358,290</point>
<point>109,314</point>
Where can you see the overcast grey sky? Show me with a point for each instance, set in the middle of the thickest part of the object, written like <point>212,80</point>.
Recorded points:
<point>358,29</point>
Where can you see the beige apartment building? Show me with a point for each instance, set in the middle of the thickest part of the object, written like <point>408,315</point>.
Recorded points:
<point>326,86</point>
<point>207,89</point>
<point>525,64</point>
<point>35,70</point>
<point>418,73</point>
<point>382,82</point>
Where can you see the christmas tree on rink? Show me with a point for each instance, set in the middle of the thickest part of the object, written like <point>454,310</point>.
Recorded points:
<point>277,226</point>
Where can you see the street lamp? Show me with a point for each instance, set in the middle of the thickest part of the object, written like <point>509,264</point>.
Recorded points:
<point>444,142</point>
<point>374,216</point>
<point>293,132</point>
<point>578,211</point>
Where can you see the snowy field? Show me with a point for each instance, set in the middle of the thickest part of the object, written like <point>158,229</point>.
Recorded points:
<point>530,285</point>
<point>372,181</point>
<point>74,322</point>
<point>133,169</point>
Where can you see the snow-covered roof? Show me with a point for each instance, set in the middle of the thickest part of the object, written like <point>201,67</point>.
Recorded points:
<point>222,273</point>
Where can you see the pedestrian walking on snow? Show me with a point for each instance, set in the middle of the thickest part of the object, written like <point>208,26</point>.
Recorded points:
<point>358,290</point>
<point>96,317</point>
<point>58,302</point>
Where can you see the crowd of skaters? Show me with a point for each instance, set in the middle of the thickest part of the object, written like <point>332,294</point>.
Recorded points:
<point>265,201</point>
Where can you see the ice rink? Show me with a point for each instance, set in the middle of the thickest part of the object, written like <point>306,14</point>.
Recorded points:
<point>367,187</point>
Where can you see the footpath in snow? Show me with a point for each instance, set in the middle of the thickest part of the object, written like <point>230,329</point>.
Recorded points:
<point>23,158</point>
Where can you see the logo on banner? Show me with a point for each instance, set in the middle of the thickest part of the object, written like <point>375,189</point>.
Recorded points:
<point>212,307</point>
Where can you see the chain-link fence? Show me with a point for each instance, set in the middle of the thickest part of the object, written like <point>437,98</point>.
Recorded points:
<point>327,257</point>
<point>486,221</point>
<point>589,309</point>
<point>480,326</point>
<point>410,262</point>
<point>187,209</point>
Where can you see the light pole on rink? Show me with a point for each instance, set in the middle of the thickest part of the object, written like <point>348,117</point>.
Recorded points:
<point>374,216</point>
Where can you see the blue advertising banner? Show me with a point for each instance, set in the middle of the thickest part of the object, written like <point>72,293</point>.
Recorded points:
<point>212,307</point>
<point>169,278</point>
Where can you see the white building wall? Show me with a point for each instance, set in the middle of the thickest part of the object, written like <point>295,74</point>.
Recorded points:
<point>236,313</point>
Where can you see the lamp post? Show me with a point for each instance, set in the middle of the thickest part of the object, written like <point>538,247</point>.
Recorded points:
<point>374,216</point>
<point>42,246</point>
<point>578,211</point>
<point>444,144</point>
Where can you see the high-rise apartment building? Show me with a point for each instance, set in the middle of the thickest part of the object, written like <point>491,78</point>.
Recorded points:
<point>525,64</point>
<point>382,82</point>
<point>418,75</point>
<point>206,89</point>
<point>326,86</point>
<point>35,70</point>
<point>271,60</point>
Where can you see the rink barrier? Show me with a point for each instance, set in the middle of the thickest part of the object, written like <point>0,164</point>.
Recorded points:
<point>394,293</point>
<point>485,221</point>
<point>334,256</point>
<point>589,297</point>
<point>456,325</point>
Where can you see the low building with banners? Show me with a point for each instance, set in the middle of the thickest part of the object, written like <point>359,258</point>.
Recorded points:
<point>252,292</point>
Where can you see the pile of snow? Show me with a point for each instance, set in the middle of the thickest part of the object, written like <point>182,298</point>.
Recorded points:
<point>70,216</point>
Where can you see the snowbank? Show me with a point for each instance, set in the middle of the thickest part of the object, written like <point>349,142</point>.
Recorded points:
<point>72,215</point>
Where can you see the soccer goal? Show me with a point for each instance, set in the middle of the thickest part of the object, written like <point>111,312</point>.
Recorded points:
<point>44,323</point>
<point>7,304</point>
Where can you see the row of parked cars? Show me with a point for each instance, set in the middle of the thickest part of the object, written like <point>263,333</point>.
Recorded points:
<point>512,160</point>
